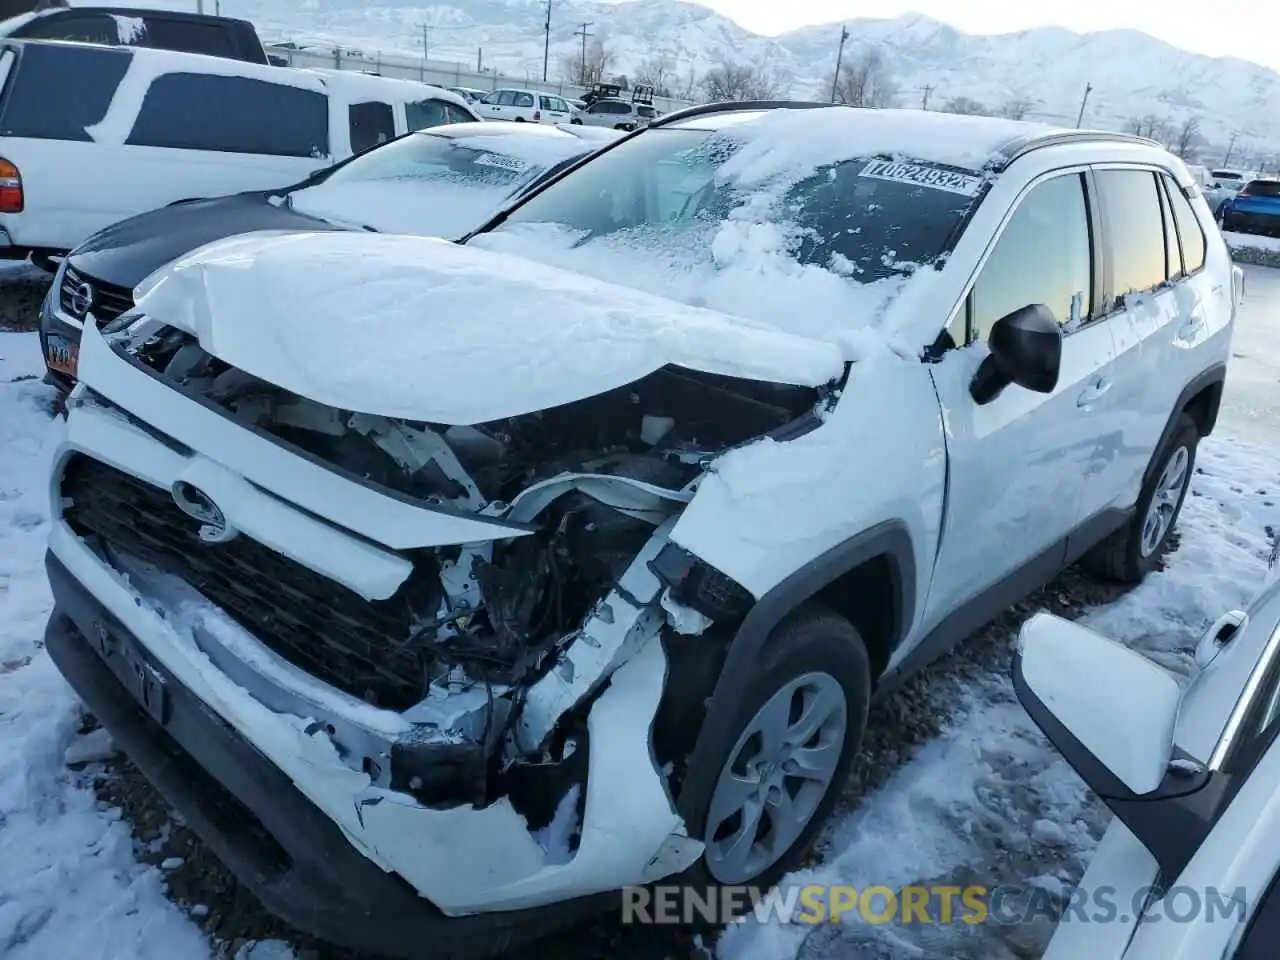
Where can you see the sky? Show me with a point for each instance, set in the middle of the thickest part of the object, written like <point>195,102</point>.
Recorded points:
<point>1249,29</point>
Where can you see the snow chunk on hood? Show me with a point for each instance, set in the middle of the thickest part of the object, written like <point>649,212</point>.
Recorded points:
<point>424,329</point>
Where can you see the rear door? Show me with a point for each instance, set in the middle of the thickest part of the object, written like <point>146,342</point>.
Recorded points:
<point>55,98</point>
<point>499,105</point>
<point>553,109</point>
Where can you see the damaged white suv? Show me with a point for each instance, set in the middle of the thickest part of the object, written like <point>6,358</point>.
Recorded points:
<point>438,585</point>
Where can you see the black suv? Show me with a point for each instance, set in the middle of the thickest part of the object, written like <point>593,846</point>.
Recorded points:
<point>117,26</point>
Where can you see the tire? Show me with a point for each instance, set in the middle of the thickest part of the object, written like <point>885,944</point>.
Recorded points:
<point>813,645</point>
<point>1133,551</point>
<point>520,120</point>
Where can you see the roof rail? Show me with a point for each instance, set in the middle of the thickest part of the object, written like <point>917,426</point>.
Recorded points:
<point>733,106</point>
<point>1023,145</point>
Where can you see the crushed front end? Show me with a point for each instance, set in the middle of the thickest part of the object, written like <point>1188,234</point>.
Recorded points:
<point>449,644</point>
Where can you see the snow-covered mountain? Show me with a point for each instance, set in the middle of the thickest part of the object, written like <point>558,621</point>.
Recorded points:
<point>1132,74</point>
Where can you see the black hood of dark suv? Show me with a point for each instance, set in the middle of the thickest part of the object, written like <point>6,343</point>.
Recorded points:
<point>126,253</point>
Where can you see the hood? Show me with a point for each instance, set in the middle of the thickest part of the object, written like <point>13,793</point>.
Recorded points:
<point>424,329</point>
<point>420,206</point>
<point>126,253</point>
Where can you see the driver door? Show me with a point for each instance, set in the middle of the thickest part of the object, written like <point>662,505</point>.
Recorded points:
<point>1016,464</point>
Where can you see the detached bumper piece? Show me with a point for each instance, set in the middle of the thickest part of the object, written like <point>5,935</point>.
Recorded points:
<point>292,857</point>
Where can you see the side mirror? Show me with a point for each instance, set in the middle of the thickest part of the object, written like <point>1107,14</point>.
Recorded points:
<point>1110,712</point>
<point>1026,350</point>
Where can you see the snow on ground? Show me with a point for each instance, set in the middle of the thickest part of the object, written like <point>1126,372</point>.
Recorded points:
<point>69,883</point>
<point>1238,241</point>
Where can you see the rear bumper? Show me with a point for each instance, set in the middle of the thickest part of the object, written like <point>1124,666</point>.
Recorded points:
<point>278,844</point>
<point>1251,222</point>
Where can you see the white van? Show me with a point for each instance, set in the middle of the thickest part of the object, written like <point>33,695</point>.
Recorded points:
<point>525,106</point>
<point>91,135</point>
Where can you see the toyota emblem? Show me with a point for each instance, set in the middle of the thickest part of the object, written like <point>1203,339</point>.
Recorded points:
<point>199,506</point>
<point>81,301</point>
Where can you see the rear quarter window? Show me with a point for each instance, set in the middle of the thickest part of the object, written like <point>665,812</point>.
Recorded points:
<point>57,91</point>
<point>187,36</point>
<point>191,111</point>
<point>81,27</point>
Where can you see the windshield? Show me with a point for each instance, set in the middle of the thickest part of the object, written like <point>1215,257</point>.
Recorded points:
<point>427,156</point>
<point>667,211</point>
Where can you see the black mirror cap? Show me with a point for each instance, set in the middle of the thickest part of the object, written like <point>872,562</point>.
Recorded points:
<point>1026,349</point>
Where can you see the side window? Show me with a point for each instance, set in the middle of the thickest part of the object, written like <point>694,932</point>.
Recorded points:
<point>58,91</point>
<point>507,98</point>
<point>427,113</point>
<point>196,111</point>
<point>1189,231</point>
<point>456,114</point>
<point>524,99</point>
<point>86,28</point>
<point>185,35</point>
<point>545,103</point>
<point>1172,254</point>
<point>371,123</point>
<point>494,97</point>
<point>558,104</point>
<point>1135,230</point>
<point>1043,256</point>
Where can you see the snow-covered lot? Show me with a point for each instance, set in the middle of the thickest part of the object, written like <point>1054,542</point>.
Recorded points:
<point>958,786</point>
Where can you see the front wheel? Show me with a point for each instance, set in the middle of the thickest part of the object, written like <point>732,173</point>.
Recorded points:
<point>1136,549</point>
<point>800,724</point>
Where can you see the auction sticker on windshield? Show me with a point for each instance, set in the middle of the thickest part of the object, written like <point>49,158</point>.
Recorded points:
<point>922,175</point>
<point>498,160</point>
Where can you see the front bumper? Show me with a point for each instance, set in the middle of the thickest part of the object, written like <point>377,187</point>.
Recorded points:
<point>54,321</point>
<point>251,815</point>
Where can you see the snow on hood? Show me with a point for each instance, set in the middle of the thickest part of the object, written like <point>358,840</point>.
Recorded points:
<point>440,209</point>
<point>423,329</point>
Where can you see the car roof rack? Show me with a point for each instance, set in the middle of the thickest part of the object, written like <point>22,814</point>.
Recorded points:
<point>1021,146</point>
<point>733,106</point>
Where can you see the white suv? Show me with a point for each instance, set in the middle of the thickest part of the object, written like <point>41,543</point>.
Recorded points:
<point>484,586</point>
<point>525,106</point>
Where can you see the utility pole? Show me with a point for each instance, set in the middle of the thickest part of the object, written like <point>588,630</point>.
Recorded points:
<point>1088,88</point>
<point>426,46</point>
<point>582,32</point>
<point>835,80</point>
<point>546,42</point>
<point>199,6</point>
<point>1230,147</point>
<point>479,59</point>
<point>924,101</point>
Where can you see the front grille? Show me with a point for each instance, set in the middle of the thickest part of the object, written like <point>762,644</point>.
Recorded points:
<point>108,302</point>
<point>312,621</point>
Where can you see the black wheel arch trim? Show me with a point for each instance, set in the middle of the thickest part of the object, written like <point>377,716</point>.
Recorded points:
<point>889,540</point>
<point>1214,378</point>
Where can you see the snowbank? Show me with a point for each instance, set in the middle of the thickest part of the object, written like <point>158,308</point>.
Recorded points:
<point>1254,249</point>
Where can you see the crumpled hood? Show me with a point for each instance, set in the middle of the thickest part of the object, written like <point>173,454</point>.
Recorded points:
<point>424,329</point>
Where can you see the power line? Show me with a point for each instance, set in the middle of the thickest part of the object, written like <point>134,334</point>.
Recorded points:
<point>583,33</point>
<point>835,80</point>
<point>1088,88</point>
<point>546,42</point>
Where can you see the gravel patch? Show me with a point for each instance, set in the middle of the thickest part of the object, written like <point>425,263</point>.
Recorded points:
<point>22,290</point>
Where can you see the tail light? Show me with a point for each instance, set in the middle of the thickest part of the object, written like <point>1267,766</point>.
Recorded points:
<point>11,199</point>
<point>537,115</point>
<point>1244,193</point>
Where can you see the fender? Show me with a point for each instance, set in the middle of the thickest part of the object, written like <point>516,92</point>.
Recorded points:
<point>889,539</point>
<point>1213,377</point>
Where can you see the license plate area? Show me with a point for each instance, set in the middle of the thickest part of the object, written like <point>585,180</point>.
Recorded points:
<point>62,355</point>
<point>124,656</point>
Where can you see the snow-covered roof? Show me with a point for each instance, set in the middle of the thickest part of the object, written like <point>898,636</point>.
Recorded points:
<point>352,83</point>
<point>780,140</point>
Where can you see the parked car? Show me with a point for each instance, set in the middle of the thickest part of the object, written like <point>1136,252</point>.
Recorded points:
<point>524,106</point>
<point>439,182</point>
<point>80,149</point>
<point>180,30</point>
<point>470,94</point>
<point>1254,209</point>
<point>490,577</point>
<point>1192,774</point>
<point>618,114</point>
<point>1223,185</point>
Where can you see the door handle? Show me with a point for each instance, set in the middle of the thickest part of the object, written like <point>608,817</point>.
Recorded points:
<point>1093,392</point>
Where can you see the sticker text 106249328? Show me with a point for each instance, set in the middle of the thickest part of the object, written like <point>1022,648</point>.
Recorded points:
<point>923,175</point>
